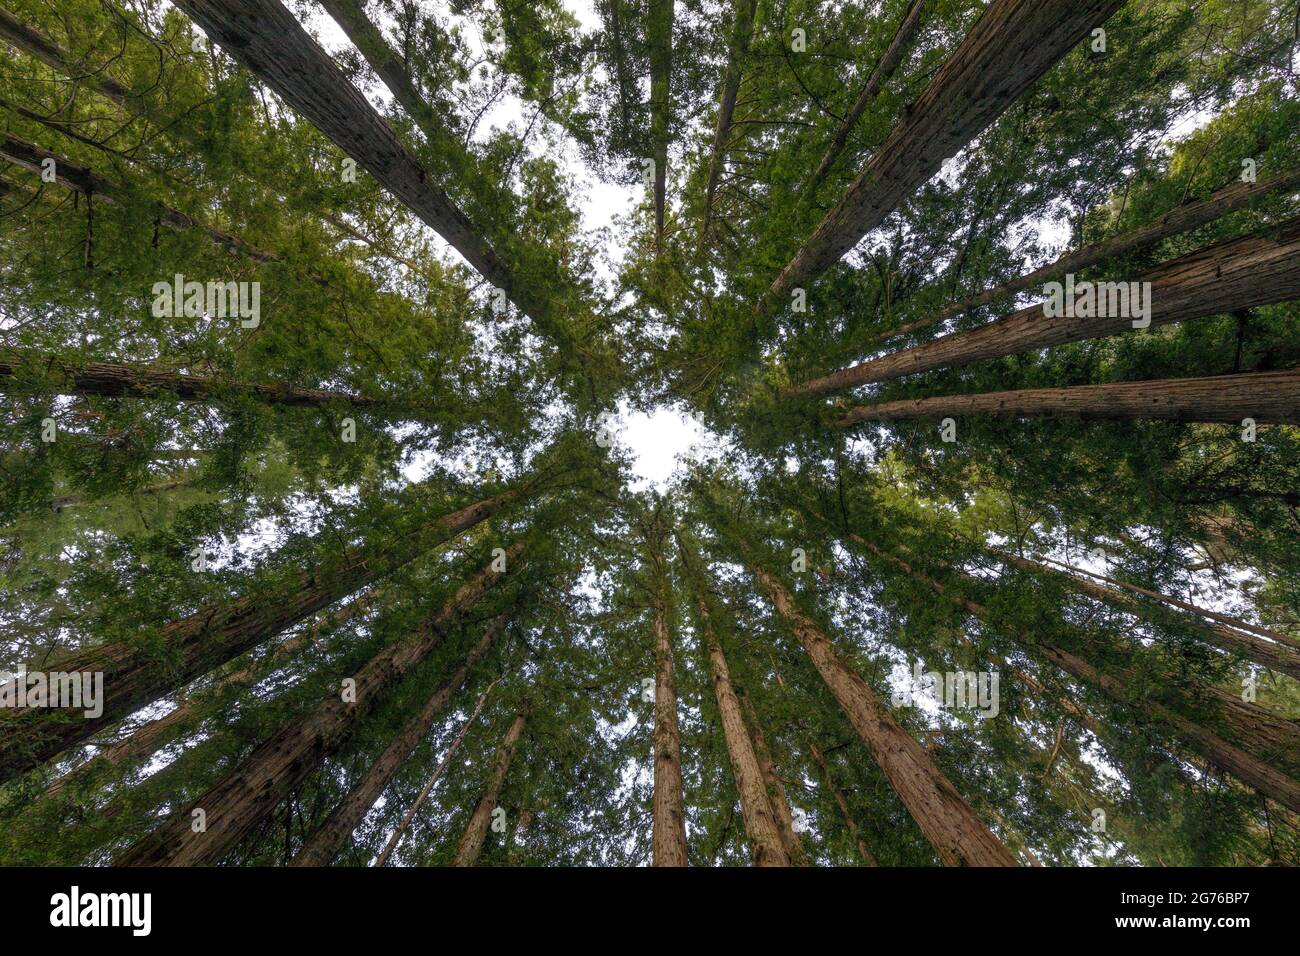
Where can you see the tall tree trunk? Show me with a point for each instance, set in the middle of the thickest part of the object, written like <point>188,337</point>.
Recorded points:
<point>755,807</point>
<point>659,30</point>
<point>868,858</point>
<point>135,676</point>
<point>1279,657</point>
<point>1257,269</point>
<point>1266,397</point>
<point>1254,741</point>
<point>471,842</point>
<point>423,795</point>
<point>266,38</point>
<point>1012,44</point>
<point>127,381</point>
<point>1180,219</point>
<point>885,68</point>
<point>775,789</point>
<point>233,806</point>
<point>958,836</point>
<point>22,37</point>
<point>742,29</point>
<point>668,840</point>
<point>330,836</point>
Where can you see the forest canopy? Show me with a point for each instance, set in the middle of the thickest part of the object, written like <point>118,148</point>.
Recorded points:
<point>324,540</point>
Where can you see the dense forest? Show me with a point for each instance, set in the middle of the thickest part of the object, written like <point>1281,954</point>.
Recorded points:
<point>322,539</point>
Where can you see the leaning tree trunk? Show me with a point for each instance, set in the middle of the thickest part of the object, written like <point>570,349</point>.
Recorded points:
<point>775,789</point>
<point>1012,44</point>
<point>958,836</point>
<point>742,29</point>
<point>325,843</point>
<point>868,858</point>
<point>471,842</point>
<point>755,807</point>
<point>134,677</point>
<point>237,803</point>
<point>28,371</point>
<point>668,840</point>
<point>1265,397</point>
<point>1257,269</point>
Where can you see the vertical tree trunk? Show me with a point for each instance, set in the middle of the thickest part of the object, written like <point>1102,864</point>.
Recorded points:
<point>471,842</point>
<point>794,848</point>
<point>659,36</point>
<point>134,677</point>
<point>233,806</point>
<point>755,806</point>
<point>868,858</point>
<point>668,840</point>
<point>330,836</point>
<point>947,821</point>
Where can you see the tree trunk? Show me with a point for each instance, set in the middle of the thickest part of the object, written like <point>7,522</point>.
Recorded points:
<point>1012,44</point>
<point>471,842</point>
<point>1266,397</point>
<point>755,807</point>
<point>266,38</point>
<point>659,30</point>
<point>775,790</point>
<point>668,839</point>
<point>742,29</point>
<point>240,800</point>
<point>1180,219</point>
<point>135,676</point>
<point>1257,269</point>
<point>126,381</point>
<point>889,62</point>
<point>329,838</point>
<point>868,858</point>
<point>947,821</point>
<point>22,37</point>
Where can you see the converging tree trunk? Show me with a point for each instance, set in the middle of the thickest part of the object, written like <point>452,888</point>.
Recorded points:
<point>668,840</point>
<point>742,30</point>
<point>841,801</point>
<point>471,842</point>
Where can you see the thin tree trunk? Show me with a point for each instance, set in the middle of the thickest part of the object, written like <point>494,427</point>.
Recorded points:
<point>330,836</point>
<point>958,836</point>
<point>1257,269</point>
<point>133,381</point>
<point>868,858</point>
<point>266,38</point>
<point>234,806</point>
<point>135,676</point>
<point>889,62</point>
<point>669,831</point>
<point>659,32</point>
<point>423,795</point>
<point>1266,397</point>
<point>780,802</point>
<point>63,502</point>
<point>1012,44</point>
<point>471,842</point>
<point>742,29</point>
<point>1278,657</point>
<point>1180,219</point>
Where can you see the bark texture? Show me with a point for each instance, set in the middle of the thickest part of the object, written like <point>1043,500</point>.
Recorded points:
<point>668,839</point>
<point>471,842</point>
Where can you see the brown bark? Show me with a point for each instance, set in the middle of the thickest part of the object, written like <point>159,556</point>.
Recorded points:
<point>776,794</point>
<point>868,858</point>
<point>755,807</point>
<point>1257,269</point>
<point>134,381</point>
<point>325,843</point>
<point>1180,219</point>
<point>241,799</point>
<point>1278,657</point>
<point>958,836</point>
<point>1267,397</point>
<point>471,842</point>
<point>1246,743</point>
<point>668,838</point>
<point>742,29</point>
<point>1012,44</point>
<point>889,62</point>
<point>135,676</point>
<point>266,38</point>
